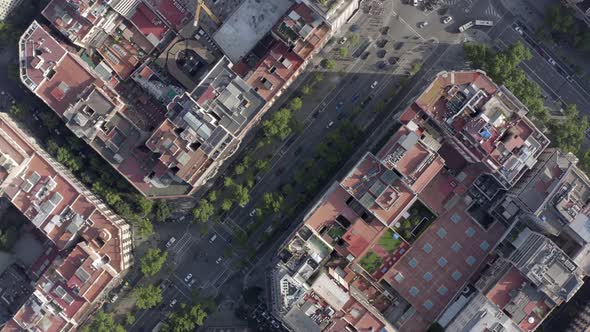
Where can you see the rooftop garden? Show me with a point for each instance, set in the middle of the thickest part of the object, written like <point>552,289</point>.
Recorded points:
<point>418,221</point>
<point>336,231</point>
<point>389,241</point>
<point>371,262</point>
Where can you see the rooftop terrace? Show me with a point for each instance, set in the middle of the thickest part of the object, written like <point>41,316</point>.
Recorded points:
<point>487,121</point>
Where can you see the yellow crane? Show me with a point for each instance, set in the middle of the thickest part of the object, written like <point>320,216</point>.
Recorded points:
<point>201,5</point>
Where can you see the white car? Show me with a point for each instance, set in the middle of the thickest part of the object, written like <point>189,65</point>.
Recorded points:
<point>415,3</point>
<point>188,277</point>
<point>551,61</point>
<point>212,238</point>
<point>518,29</point>
<point>374,84</point>
<point>342,40</point>
<point>219,260</point>
<point>447,20</point>
<point>170,242</point>
<point>252,213</point>
<point>423,24</point>
<point>173,303</point>
<point>330,124</point>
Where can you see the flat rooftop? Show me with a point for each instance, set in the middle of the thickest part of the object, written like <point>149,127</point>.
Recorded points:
<point>441,260</point>
<point>175,12</point>
<point>378,189</point>
<point>488,120</point>
<point>247,25</point>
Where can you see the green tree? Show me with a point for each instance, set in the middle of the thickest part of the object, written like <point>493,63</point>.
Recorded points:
<point>279,124</point>
<point>226,204</point>
<point>240,169</point>
<point>148,297</point>
<point>329,64</point>
<point>569,134</point>
<point>559,19</point>
<point>318,77</point>
<point>65,157</point>
<point>353,38</point>
<point>295,104</point>
<point>203,211</point>
<point>144,227</point>
<point>273,202</point>
<point>129,319</point>
<point>306,90</point>
<point>228,182</point>
<point>17,110</point>
<point>163,211</point>
<point>241,195</point>
<point>143,205</point>
<point>186,320</point>
<point>212,196</point>
<point>343,52</point>
<point>50,120</point>
<point>152,261</point>
<point>102,322</point>
<point>261,165</point>
<point>111,197</point>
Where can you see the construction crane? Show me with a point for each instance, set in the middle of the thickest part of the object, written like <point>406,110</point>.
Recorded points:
<point>201,5</point>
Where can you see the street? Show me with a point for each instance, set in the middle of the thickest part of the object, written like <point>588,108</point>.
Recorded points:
<point>400,49</point>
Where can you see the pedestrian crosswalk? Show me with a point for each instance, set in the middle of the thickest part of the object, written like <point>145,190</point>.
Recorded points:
<point>492,12</point>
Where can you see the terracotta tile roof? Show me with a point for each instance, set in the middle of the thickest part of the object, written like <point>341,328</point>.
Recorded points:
<point>149,24</point>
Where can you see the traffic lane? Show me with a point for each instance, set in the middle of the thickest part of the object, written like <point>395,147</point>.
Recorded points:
<point>147,319</point>
<point>200,260</point>
<point>546,74</point>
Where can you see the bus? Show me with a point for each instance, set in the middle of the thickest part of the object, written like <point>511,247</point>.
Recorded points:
<point>466,26</point>
<point>484,23</point>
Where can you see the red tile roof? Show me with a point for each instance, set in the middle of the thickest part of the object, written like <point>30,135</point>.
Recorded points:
<point>149,23</point>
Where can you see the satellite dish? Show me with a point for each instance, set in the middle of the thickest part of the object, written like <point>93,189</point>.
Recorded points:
<point>531,320</point>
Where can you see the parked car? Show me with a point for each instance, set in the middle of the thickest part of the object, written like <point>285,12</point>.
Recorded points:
<point>170,242</point>
<point>448,19</point>
<point>551,61</point>
<point>374,84</point>
<point>423,25</point>
<point>188,277</point>
<point>212,238</point>
<point>342,40</point>
<point>173,302</point>
<point>219,260</point>
<point>330,125</point>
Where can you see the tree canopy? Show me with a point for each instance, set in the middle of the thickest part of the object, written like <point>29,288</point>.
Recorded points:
<point>152,261</point>
<point>163,211</point>
<point>569,133</point>
<point>295,104</point>
<point>279,124</point>
<point>102,322</point>
<point>186,320</point>
<point>148,297</point>
<point>241,195</point>
<point>203,211</point>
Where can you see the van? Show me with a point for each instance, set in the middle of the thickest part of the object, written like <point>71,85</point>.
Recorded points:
<point>212,238</point>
